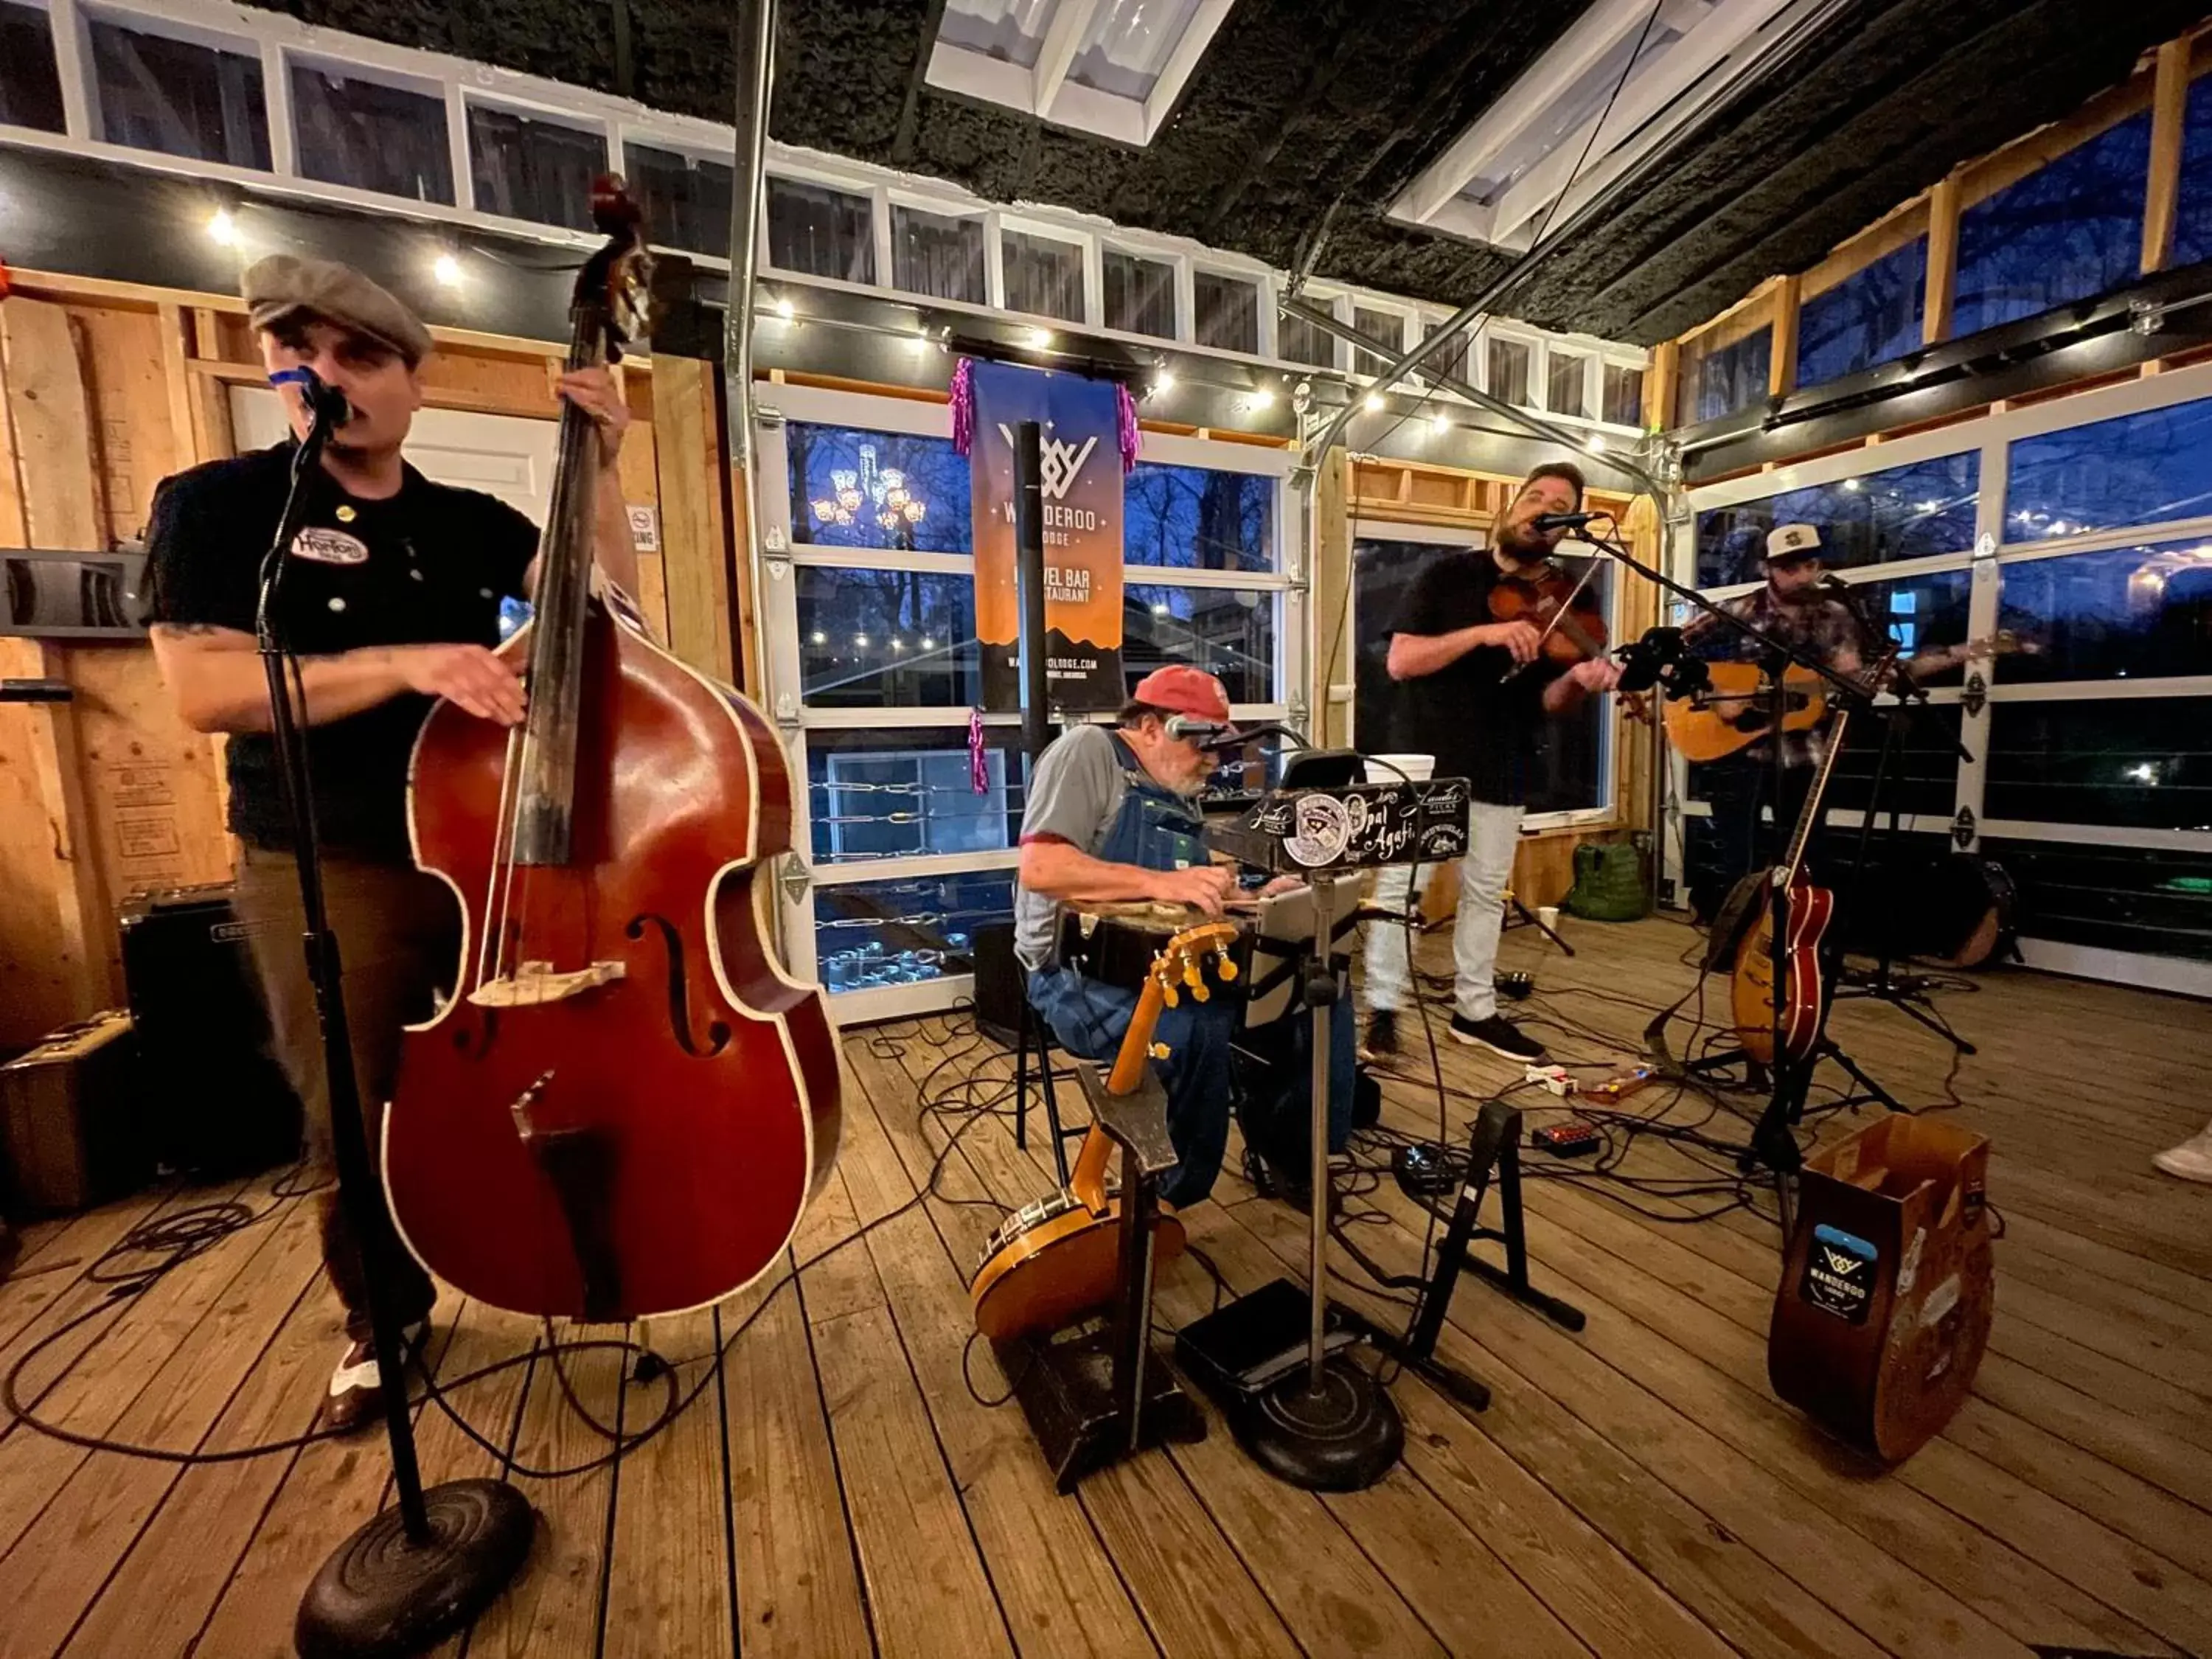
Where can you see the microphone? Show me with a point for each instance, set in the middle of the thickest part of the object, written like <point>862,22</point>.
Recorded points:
<point>1544,521</point>
<point>327,407</point>
<point>1206,733</point>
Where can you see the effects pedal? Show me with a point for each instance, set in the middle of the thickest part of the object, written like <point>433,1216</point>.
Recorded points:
<point>1574,1139</point>
<point>1516,987</point>
<point>1425,1169</point>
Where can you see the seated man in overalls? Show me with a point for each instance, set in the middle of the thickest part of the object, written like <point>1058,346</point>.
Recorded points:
<point>1113,817</point>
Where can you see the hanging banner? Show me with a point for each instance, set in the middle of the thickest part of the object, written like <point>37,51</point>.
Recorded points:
<point>1084,451</point>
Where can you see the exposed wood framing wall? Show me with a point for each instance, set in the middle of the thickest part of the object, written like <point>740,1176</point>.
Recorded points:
<point>2162,86</point>
<point>1415,494</point>
<point>106,388</point>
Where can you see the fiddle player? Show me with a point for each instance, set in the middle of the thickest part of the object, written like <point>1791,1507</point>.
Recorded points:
<point>1460,701</point>
<point>392,597</point>
<point>1791,608</point>
<point>1113,815</point>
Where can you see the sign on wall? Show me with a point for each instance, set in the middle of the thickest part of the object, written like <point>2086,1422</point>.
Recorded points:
<point>1081,473</point>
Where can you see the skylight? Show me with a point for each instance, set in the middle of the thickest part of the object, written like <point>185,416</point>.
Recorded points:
<point>1111,67</point>
<point>1551,143</point>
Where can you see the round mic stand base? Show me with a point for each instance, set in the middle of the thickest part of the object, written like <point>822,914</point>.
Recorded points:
<point>382,1596</point>
<point>1343,1436</point>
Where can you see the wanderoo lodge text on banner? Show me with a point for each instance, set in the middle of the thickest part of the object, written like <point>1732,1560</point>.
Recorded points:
<point>1082,510</point>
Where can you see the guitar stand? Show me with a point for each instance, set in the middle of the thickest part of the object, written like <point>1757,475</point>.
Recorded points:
<point>1098,1391</point>
<point>1494,1145</point>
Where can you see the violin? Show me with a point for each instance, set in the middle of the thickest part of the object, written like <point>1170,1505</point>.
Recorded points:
<point>1565,610</point>
<point>627,1102</point>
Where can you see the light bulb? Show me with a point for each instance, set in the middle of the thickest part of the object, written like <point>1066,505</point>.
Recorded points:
<point>1440,421</point>
<point>784,310</point>
<point>447,269</point>
<point>1164,381</point>
<point>1373,402</point>
<point>1261,398</point>
<point>1037,339</point>
<point>222,229</point>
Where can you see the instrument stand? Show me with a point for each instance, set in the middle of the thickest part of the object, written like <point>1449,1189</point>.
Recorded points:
<point>1316,1418</point>
<point>1099,1391</point>
<point>1493,1144</point>
<point>414,1573</point>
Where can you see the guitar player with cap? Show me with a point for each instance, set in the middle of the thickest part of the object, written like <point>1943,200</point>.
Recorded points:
<point>1113,818</point>
<point>1791,608</point>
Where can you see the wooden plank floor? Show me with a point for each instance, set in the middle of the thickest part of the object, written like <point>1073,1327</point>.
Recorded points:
<point>837,1488</point>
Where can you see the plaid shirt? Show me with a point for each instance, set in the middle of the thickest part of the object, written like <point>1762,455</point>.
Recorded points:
<point>1821,627</point>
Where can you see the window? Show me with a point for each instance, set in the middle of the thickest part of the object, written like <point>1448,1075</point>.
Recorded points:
<point>1923,767</point>
<point>2070,229</point>
<point>819,232</point>
<point>1190,517</point>
<point>1510,361</point>
<point>2146,468</point>
<point>1720,380</point>
<point>1623,393</point>
<point>1228,632</point>
<point>1298,341</point>
<point>1449,358</point>
<point>2116,898</point>
<point>2145,763</point>
<point>686,199</point>
<point>1389,327</point>
<point>1905,512</point>
<point>843,481</point>
<point>527,168</point>
<point>2192,220</point>
<point>911,793</point>
<point>2134,613</point>
<point>179,97</point>
<point>870,933</point>
<point>935,254</point>
<point>1920,614</point>
<point>30,85</point>
<point>1227,311</point>
<point>1871,316</point>
<point>1139,294</point>
<point>1043,276</point>
<point>371,135</point>
<point>1566,383</point>
<point>886,639</point>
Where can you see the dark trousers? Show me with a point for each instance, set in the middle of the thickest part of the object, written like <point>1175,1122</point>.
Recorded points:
<point>1735,842</point>
<point>398,933</point>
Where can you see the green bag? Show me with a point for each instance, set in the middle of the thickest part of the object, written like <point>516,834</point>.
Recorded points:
<point>1609,884</point>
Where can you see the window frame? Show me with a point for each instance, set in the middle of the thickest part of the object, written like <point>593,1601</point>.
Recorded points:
<point>795,719</point>
<point>1993,436</point>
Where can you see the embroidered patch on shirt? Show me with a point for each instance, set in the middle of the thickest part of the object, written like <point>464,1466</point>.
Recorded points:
<point>330,546</point>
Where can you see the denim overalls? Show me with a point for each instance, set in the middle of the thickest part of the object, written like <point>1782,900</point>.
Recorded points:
<point>1158,830</point>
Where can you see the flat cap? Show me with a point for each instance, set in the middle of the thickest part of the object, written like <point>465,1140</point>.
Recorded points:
<point>283,286</point>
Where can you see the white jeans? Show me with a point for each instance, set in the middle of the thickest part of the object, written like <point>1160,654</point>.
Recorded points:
<point>1493,834</point>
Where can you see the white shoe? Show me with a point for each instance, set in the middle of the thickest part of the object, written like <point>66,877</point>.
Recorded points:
<point>2191,1160</point>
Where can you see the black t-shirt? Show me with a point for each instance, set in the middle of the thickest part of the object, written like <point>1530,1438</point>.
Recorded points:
<point>428,565</point>
<point>1477,723</point>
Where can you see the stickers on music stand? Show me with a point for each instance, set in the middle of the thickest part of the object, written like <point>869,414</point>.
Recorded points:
<point>1839,1273</point>
<point>1320,829</point>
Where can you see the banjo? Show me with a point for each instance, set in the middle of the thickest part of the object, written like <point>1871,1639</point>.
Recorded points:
<point>1058,1258</point>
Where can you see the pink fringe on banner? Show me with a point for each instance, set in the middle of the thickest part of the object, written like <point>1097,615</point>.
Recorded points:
<point>963,406</point>
<point>979,771</point>
<point>1130,436</point>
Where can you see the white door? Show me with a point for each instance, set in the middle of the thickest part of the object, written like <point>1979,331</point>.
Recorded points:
<point>504,455</point>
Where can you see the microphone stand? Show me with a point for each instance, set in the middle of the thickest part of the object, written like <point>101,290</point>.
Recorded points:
<point>413,1574</point>
<point>1773,1141</point>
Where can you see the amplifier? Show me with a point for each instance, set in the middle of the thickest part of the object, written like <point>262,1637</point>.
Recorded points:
<point>1001,982</point>
<point>72,1130</point>
<point>188,971</point>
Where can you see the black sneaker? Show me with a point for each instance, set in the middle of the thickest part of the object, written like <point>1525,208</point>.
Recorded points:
<point>1498,1034</point>
<point>1382,1041</point>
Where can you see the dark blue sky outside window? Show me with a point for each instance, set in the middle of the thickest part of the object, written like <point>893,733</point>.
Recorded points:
<point>1228,632</point>
<point>2150,468</point>
<point>1871,317</point>
<point>2068,230</point>
<point>1734,377</point>
<point>2192,221</point>
<point>886,639</point>
<point>848,472</point>
<point>1905,512</point>
<point>1186,518</point>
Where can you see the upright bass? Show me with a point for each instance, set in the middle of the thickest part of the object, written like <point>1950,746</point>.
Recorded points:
<point>626,1103</point>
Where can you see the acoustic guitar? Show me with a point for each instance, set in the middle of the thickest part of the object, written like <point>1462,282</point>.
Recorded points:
<point>1732,712</point>
<point>1758,1029</point>
<point>1058,1258</point>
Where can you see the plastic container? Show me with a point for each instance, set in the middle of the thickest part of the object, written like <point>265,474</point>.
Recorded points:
<point>1401,768</point>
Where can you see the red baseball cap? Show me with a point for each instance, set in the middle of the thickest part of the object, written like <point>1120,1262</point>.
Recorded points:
<point>1184,690</point>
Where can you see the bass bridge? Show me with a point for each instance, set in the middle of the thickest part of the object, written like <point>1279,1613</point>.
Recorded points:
<point>533,984</point>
